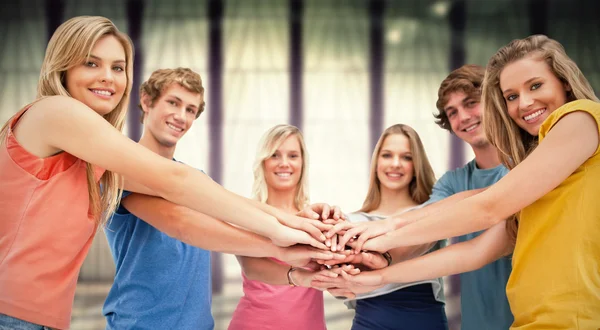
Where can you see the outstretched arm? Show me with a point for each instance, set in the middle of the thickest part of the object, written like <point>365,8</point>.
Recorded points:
<point>208,233</point>
<point>454,259</point>
<point>69,125</point>
<point>576,135</point>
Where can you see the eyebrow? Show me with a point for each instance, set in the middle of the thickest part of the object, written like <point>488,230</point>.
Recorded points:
<point>525,83</point>
<point>180,100</point>
<point>462,101</point>
<point>99,59</point>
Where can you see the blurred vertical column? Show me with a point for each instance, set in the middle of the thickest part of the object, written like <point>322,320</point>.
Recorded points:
<point>54,13</point>
<point>538,16</point>
<point>376,65</point>
<point>135,12</point>
<point>215,125</point>
<point>457,20</point>
<point>296,20</point>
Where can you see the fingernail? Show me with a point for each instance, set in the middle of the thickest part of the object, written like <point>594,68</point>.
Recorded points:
<point>323,237</point>
<point>328,243</point>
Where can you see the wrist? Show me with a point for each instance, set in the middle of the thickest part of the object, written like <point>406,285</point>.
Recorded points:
<point>293,278</point>
<point>384,275</point>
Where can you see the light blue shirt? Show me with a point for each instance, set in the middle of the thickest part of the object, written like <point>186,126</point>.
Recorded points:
<point>483,292</point>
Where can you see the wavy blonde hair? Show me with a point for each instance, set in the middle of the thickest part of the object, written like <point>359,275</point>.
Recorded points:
<point>512,142</point>
<point>71,45</point>
<point>420,186</point>
<point>270,141</point>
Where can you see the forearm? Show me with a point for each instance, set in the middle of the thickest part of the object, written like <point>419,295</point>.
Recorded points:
<point>198,229</point>
<point>403,253</point>
<point>454,259</point>
<point>469,215</point>
<point>211,234</point>
<point>208,197</point>
<point>403,219</point>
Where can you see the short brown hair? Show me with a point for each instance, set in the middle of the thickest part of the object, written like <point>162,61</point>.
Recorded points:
<point>467,79</point>
<point>161,79</point>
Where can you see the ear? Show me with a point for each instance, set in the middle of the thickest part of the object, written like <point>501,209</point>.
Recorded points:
<point>567,87</point>
<point>145,102</point>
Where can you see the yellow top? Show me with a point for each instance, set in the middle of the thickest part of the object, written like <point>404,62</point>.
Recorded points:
<point>555,281</point>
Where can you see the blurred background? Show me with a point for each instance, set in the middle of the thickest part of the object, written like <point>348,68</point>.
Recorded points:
<point>341,70</point>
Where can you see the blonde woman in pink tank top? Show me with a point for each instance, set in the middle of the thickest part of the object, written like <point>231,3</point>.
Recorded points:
<point>277,296</point>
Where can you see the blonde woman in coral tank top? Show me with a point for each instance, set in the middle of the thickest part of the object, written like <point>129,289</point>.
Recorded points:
<point>57,151</point>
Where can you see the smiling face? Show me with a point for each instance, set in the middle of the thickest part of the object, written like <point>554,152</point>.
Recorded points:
<point>283,168</point>
<point>464,116</point>
<point>531,92</point>
<point>395,168</point>
<point>100,82</point>
<point>171,115</point>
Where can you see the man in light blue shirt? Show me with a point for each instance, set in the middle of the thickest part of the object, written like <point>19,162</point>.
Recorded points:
<point>483,292</point>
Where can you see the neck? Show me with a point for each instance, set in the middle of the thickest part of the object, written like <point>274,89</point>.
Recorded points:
<point>486,157</point>
<point>282,199</point>
<point>393,201</point>
<point>148,141</point>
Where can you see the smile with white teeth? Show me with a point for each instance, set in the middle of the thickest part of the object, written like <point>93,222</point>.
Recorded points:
<point>283,174</point>
<point>534,115</point>
<point>101,92</point>
<point>395,175</point>
<point>470,128</point>
<point>175,128</point>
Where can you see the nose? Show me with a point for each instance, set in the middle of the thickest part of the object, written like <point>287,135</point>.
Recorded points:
<point>525,101</point>
<point>107,75</point>
<point>463,115</point>
<point>396,161</point>
<point>179,114</point>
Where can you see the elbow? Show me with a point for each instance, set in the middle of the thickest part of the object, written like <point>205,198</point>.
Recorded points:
<point>164,185</point>
<point>489,214</point>
<point>177,226</point>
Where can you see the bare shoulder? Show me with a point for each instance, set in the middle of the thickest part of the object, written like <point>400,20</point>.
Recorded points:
<point>55,105</point>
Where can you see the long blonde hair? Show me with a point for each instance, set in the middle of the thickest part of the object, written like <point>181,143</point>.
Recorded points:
<point>512,142</point>
<point>270,141</point>
<point>420,186</point>
<point>70,45</point>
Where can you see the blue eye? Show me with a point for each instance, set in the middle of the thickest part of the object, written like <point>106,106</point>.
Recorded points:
<point>511,97</point>
<point>536,86</point>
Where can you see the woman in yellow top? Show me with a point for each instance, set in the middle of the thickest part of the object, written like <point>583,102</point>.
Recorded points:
<point>542,115</point>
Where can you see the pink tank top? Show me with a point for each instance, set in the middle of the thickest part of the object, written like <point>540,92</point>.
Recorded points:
<point>276,307</point>
<point>45,232</point>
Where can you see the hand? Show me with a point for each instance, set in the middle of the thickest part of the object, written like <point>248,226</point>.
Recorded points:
<point>370,279</point>
<point>380,244</point>
<point>301,255</point>
<point>352,290</point>
<point>314,228</point>
<point>369,259</point>
<point>285,236</point>
<point>322,211</point>
<point>304,278</point>
<point>363,231</point>
<point>328,282</point>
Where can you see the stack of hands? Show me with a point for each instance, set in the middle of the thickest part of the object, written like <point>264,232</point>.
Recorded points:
<point>329,253</point>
